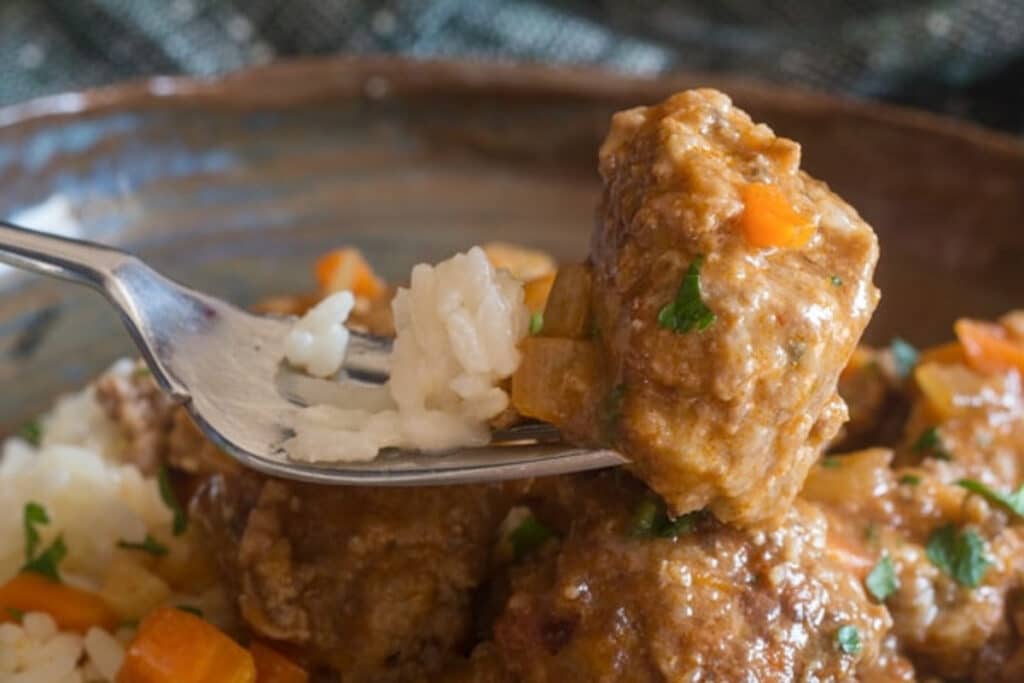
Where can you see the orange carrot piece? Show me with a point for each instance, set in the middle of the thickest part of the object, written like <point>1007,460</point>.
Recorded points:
<point>987,346</point>
<point>537,292</point>
<point>523,263</point>
<point>943,354</point>
<point>346,269</point>
<point>274,667</point>
<point>73,609</point>
<point>769,220</point>
<point>173,646</point>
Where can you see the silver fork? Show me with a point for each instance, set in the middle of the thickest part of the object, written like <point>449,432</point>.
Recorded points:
<point>225,365</point>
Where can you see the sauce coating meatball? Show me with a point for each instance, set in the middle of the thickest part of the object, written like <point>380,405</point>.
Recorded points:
<point>621,599</point>
<point>729,290</point>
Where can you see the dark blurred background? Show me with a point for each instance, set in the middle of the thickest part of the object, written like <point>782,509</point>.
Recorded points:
<point>961,57</point>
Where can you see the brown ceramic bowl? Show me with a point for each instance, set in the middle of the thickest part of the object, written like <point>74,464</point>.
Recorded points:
<point>234,186</point>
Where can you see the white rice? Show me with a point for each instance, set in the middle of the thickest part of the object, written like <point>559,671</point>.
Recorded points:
<point>458,326</point>
<point>93,501</point>
<point>318,341</point>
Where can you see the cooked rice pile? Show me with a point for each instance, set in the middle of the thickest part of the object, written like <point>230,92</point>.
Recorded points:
<point>93,501</point>
<point>458,326</point>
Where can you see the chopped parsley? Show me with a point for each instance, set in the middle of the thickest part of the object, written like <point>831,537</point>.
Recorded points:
<point>650,520</point>
<point>180,523</point>
<point>930,443</point>
<point>34,514</point>
<point>536,322</point>
<point>191,610</point>
<point>959,553</point>
<point>904,356</point>
<point>871,532</point>
<point>848,639</point>
<point>15,613</point>
<point>688,311</point>
<point>47,562</point>
<point>645,517</point>
<point>836,281</point>
<point>1012,502</point>
<point>831,462</point>
<point>882,581</point>
<point>910,479</point>
<point>141,371</point>
<point>528,536</point>
<point>148,545</point>
<point>31,431</point>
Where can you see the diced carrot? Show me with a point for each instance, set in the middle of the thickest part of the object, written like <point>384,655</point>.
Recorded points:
<point>537,292</point>
<point>988,347</point>
<point>944,354</point>
<point>524,264</point>
<point>769,220</point>
<point>274,667</point>
<point>346,269</point>
<point>73,609</point>
<point>173,646</point>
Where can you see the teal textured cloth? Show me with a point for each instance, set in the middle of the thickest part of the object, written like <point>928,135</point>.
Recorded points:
<point>964,57</point>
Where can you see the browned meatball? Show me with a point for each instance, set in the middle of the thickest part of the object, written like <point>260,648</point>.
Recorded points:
<point>731,412</point>
<point>374,584</point>
<point>948,621</point>
<point>713,603</point>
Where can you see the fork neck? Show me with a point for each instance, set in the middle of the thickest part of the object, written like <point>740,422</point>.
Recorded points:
<point>75,260</point>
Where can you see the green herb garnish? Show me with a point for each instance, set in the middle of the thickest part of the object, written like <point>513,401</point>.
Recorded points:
<point>681,525</point>
<point>47,562</point>
<point>910,479</point>
<point>930,443</point>
<point>688,311</point>
<point>31,431</point>
<point>528,536</point>
<point>871,532</point>
<point>16,614</point>
<point>536,322</point>
<point>882,581</point>
<point>904,356</point>
<point>1012,502</point>
<point>180,523</point>
<point>645,517</point>
<point>650,520</point>
<point>34,514</point>
<point>848,639</point>
<point>836,281</point>
<point>831,462</point>
<point>959,553</point>
<point>191,610</point>
<point>141,371</point>
<point>148,545</point>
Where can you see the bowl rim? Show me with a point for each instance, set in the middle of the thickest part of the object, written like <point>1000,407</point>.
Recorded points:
<point>308,80</point>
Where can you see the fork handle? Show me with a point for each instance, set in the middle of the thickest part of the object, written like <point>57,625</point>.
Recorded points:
<point>70,259</point>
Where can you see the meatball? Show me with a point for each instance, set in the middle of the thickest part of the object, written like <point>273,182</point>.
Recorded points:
<point>950,615</point>
<point>374,584</point>
<point>729,290</point>
<point>622,600</point>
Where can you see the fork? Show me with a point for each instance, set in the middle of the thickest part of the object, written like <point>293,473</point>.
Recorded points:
<point>225,366</point>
